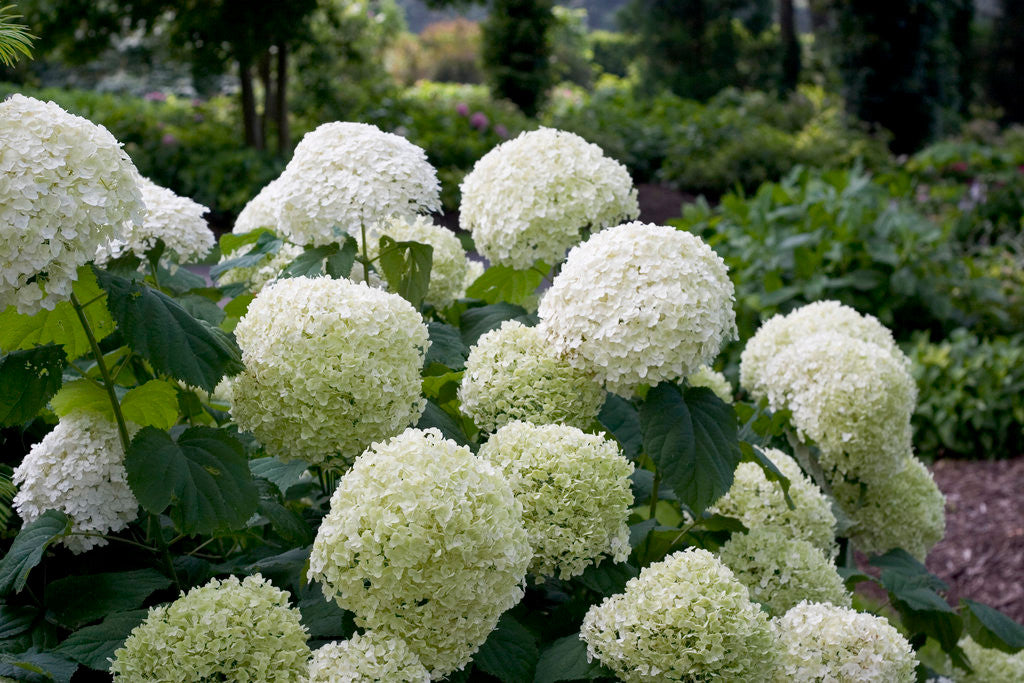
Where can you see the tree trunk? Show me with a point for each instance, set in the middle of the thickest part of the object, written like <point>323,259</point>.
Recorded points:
<point>284,142</point>
<point>790,46</point>
<point>250,122</point>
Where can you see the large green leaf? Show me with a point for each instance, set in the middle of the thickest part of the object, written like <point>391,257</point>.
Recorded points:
<point>483,319</point>
<point>164,333</point>
<point>691,437</point>
<point>266,243</point>
<point>94,645</point>
<point>510,652</point>
<point>203,475</point>
<point>991,628</point>
<point>406,266</point>
<point>446,347</point>
<point>28,548</point>
<point>566,660</point>
<point>754,454</point>
<point>34,665</point>
<point>27,381</point>
<point>283,475</point>
<point>620,418</point>
<point>608,579</point>
<point>334,259</point>
<point>501,283</point>
<point>323,618</point>
<point>81,394</point>
<point>435,416</point>
<point>15,620</point>
<point>77,600</point>
<point>154,404</point>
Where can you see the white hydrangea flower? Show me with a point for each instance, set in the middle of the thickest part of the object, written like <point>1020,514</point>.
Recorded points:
<point>713,380</point>
<point>990,665</point>
<point>759,503</point>
<point>67,188</point>
<point>78,468</point>
<point>530,198</point>
<point>227,630</point>
<point>368,658</point>
<point>638,304</point>
<point>330,366</point>
<point>448,270</point>
<point>512,373</point>
<point>823,642</point>
<point>259,212</point>
<point>852,397</point>
<point>907,510</point>
<point>575,492</point>
<point>426,542</point>
<point>178,221</point>
<point>780,331</point>
<point>781,571</point>
<point>474,269</point>
<point>351,176</point>
<point>684,618</point>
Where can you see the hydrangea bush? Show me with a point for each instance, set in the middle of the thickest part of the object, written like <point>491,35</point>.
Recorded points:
<point>360,455</point>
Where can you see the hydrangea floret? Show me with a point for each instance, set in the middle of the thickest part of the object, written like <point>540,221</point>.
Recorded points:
<point>780,571</point>
<point>448,269</point>
<point>824,642</point>
<point>68,189</point>
<point>575,492</point>
<point>370,657</point>
<point>685,618</point>
<point>424,541</point>
<point>530,198</point>
<point>227,630</point>
<point>512,373</point>
<point>640,303</point>
<point>713,380</point>
<point>78,468</point>
<point>990,665</point>
<point>330,366</point>
<point>259,212</point>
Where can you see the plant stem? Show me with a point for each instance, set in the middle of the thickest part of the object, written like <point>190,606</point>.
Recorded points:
<point>803,455</point>
<point>164,549</point>
<point>154,265</point>
<point>654,494</point>
<point>366,256</point>
<point>113,538</point>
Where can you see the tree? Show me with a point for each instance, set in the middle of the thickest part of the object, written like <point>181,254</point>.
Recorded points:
<point>15,39</point>
<point>1006,64</point>
<point>790,46</point>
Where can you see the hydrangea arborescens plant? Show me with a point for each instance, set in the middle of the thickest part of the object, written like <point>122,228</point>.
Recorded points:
<point>512,373</point>
<point>68,190</point>
<point>226,630</point>
<point>330,366</point>
<point>259,212</point>
<point>263,272</point>
<point>424,541</point>
<point>530,198</point>
<point>640,303</point>
<point>990,665</point>
<point>364,658</point>
<point>575,492</point>
<point>713,380</point>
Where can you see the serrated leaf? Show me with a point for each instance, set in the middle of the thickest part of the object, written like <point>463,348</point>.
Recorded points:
<point>230,242</point>
<point>154,404</point>
<point>283,475</point>
<point>435,416</point>
<point>288,524</point>
<point>566,660</point>
<point>203,475</point>
<point>28,547</point>
<point>28,379</point>
<point>510,652</point>
<point>162,332</point>
<point>502,283</point>
<point>77,600</point>
<point>266,243</point>
<point>81,394</point>
<point>406,266</point>
<point>620,417</point>
<point>478,321</point>
<point>608,578</point>
<point>446,347</point>
<point>991,628</point>
<point>201,308</point>
<point>642,484</point>
<point>325,619</point>
<point>15,620</point>
<point>238,306</point>
<point>34,665</point>
<point>94,645</point>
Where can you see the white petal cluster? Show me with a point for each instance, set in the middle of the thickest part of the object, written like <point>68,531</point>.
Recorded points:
<point>713,380</point>
<point>780,571</point>
<point>823,642</point>
<point>368,658</point>
<point>529,198</point>
<point>67,189</point>
<point>227,630</point>
<point>258,276</point>
<point>448,270</point>
<point>349,176</point>
<point>330,366</point>
<point>638,304</point>
<point>78,468</point>
<point>259,211</point>
<point>990,665</point>
<point>686,618</point>
<point>178,221</point>
<point>575,492</point>
<point>905,511</point>
<point>512,373</point>
<point>760,503</point>
<point>426,542</point>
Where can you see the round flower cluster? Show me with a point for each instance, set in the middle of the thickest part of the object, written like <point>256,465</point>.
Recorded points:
<point>575,492</point>
<point>760,503</point>
<point>448,270</point>
<point>259,275</point>
<point>367,658</point>
<point>330,366</point>
<point>990,665</point>
<point>713,380</point>
<point>513,374</point>
<point>259,211</point>
<point>424,541</point>
<point>348,176</point>
<point>529,199</point>
<point>780,571</point>
<point>226,630</point>
<point>905,511</point>
<point>67,190</point>
<point>685,618</point>
<point>822,642</point>
<point>178,221</point>
<point>638,304</point>
<point>78,468</point>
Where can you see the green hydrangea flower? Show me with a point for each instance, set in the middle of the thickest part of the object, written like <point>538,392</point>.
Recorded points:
<point>367,658</point>
<point>713,380</point>
<point>990,665</point>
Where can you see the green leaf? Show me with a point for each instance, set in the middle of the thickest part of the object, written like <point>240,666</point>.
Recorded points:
<point>287,523</point>
<point>478,321</point>
<point>435,416</point>
<point>28,548</point>
<point>309,263</point>
<point>61,325</point>
<point>510,652</point>
<point>161,331</point>
<point>15,620</point>
<point>502,283</point>
<point>566,660</point>
<point>48,666</point>
<point>755,455</point>
<point>201,308</point>
<point>283,475</point>
<point>238,306</point>
<point>991,628</point>
<point>81,394</point>
<point>203,475</point>
<point>94,645</point>
<point>691,437</point>
<point>446,347</point>
<point>608,579</point>
<point>266,243</point>
<point>325,619</point>
<point>154,404</point>
<point>27,381</point>
<point>230,242</point>
<point>620,418</point>
<point>77,600</point>
<point>642,483</point>
<point>406,266</point>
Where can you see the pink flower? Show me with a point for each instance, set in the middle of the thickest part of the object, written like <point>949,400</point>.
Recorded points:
<point>155,96</point>
<point>958,166</point>
<point>501,131</point>
<point>478,120</point>
<point>462,109</point>
<point>167,140</point>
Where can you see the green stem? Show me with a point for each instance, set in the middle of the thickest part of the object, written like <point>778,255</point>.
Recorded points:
<point>165,551</point>
<point>153,266</point>
<point>366,256</point>
<point>654,494</point>
<point>803,455</point>
<point>113,538</point>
